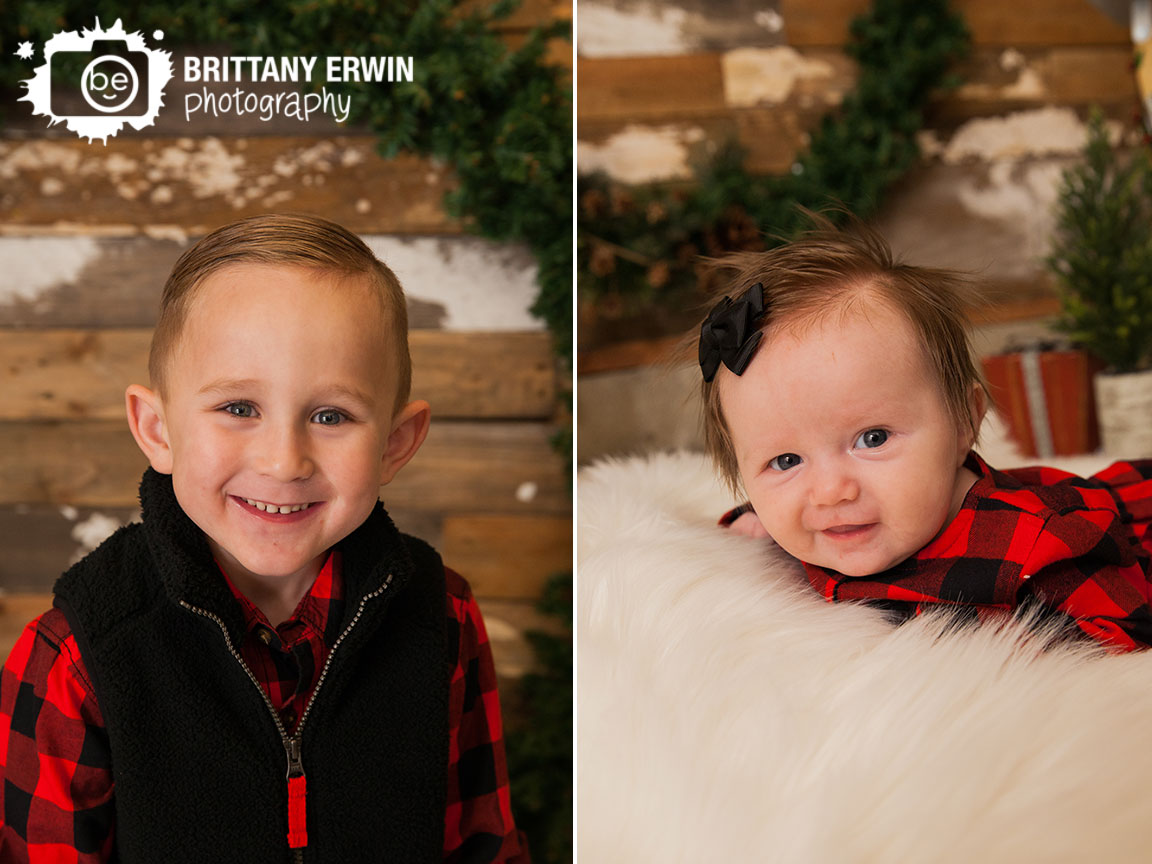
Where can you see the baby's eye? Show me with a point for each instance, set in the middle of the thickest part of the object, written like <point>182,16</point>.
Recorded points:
<point>871,439</point>
<point>329,417</point>
<point>784,461</point>
<point>240,409</point>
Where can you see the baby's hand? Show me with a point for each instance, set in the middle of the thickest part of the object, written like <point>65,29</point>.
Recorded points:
<point>749,525</point>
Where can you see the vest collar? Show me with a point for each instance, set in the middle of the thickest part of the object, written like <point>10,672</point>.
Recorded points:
<point>188,571</point>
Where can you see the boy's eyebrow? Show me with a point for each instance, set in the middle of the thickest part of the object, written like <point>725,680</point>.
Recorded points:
<point>231,385</point>
<point>351,393</point>
<point>228,385</point>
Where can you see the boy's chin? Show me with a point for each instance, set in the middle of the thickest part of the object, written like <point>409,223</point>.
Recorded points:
<point>268,568</point>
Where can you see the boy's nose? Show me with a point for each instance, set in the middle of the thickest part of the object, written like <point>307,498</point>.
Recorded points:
<point>283,454</point>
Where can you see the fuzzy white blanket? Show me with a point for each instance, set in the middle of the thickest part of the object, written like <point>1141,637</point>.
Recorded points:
<point>727,714</point>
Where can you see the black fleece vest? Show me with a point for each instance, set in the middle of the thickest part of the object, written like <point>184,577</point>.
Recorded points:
<point>198,761</point>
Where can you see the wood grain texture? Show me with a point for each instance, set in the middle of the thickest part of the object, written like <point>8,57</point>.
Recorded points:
<point>497,467</point>
<point>640,88</point>
<point>617,92</point>
<point>193,185</point>
<point>51,279</point>
<point>507,556</point>
<point>506,622</point>
<point>528,14</point>
<point>71,374</point>
<point>991,22</point>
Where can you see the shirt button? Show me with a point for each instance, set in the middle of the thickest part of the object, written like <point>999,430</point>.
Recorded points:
<point>264,635</point>
<point>288,718</point>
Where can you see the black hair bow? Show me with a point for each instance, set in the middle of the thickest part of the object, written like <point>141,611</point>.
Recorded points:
<point>731,332</point>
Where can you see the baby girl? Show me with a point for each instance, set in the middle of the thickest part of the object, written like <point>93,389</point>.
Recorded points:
<point>841,396</point>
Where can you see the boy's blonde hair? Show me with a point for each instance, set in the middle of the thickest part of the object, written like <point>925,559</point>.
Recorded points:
<point>826,271</point>
<point>280,239</point>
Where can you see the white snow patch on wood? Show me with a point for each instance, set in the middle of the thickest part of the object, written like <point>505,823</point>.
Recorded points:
<point>1040,132</point>
<point>481,285</point>
<point>29,266</point>
<point>755,76</point>
<point>641,154</point>
<point>646,30</point>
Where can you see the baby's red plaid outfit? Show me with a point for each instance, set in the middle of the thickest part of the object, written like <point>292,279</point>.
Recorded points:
<point>1078,547</point>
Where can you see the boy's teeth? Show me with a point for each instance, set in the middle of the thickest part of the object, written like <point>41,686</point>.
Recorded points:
<point>273,508</point>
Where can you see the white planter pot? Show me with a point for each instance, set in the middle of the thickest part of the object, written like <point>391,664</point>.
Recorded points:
<point>1124,409</point>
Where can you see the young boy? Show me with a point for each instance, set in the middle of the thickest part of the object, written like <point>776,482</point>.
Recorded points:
<point>841,394</point>
<point>265,669</point>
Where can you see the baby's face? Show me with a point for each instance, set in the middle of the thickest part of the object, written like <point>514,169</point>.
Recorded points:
<point>844,442</point>
<point>278,404</point>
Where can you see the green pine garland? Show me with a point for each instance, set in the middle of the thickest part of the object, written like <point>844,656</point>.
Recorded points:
<point>638,245</point>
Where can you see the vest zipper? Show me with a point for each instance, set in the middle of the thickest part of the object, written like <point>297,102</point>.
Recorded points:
<point>297,789</point>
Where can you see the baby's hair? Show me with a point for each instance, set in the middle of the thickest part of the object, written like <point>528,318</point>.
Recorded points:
<point>279,239</point>
<point>828,270</point>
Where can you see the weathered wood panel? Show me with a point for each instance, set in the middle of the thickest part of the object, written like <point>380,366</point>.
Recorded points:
<point>637,88</point>
<point>505,621</point>
<point>463,467</point>
<point>16,610</point>
<point>508,556</point>
<point>991,22</point>
<point>189,185</point>
<point>530,13</point>
<point>41,541</point>
<point>502,556</point>
<point>616,92</point>
<point>53,280</point>
<point>63,374</point>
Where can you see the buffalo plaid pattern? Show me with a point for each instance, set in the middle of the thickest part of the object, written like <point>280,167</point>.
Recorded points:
<point>1078,547</point>
<point>58,793</point>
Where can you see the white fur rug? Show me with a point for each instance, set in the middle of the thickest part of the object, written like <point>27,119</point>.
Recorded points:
<point>727,714</point>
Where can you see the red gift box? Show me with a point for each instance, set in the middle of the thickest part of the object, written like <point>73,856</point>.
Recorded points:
<point>1046,399</point>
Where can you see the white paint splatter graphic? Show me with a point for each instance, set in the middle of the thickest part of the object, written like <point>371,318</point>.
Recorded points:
<point>110,84</point>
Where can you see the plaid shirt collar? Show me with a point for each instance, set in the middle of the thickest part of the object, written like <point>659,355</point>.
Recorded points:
<point>951,567</point>
<point>317,612</point>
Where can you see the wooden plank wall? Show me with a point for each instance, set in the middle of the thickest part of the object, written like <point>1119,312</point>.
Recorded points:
<point>660,85</point>
<point>88,234</point>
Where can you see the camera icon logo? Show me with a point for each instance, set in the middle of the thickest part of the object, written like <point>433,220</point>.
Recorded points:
<point>119,79</point>
<point>113,81</point>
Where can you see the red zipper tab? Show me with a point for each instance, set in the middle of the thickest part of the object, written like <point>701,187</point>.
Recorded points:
<point>297,797</point>
<point>297,812</point>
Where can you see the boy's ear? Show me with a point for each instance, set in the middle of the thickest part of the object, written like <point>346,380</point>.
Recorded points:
<point>146,420</point>
<point>409,429</point>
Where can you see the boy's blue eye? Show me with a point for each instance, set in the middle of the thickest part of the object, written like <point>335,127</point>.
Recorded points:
<point>328,417</point>
<point>784,461</point>
<point>240,409</point>
<point>872,438</point>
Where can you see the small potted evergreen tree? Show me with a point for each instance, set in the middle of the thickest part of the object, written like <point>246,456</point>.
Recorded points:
<point>1102,257</point>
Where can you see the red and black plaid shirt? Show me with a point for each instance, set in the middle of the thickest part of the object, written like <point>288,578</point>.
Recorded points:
<point>1039,535</point>
<point>57,766</point>
<point>1078,547</point>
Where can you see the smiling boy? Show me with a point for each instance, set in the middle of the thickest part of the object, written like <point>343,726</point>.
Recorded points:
<point>265,668</point>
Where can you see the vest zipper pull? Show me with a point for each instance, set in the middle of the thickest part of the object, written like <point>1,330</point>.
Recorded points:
<point>297,797</point>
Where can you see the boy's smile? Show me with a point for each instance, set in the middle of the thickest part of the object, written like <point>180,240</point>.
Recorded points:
<point>845,444</point>
<point>276,418</point>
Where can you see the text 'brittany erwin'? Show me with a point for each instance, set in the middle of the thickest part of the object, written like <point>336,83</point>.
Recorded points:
<point>214,70</point>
